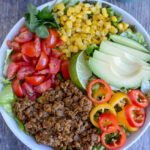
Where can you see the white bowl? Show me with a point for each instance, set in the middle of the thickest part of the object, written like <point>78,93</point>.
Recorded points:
<point>28,140</point>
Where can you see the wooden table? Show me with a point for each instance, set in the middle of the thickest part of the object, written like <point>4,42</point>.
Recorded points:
<point>12,10</point>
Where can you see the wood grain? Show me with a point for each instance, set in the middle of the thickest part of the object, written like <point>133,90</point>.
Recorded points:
<point>12,10</point>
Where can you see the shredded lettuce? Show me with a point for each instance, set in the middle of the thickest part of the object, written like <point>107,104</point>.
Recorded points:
<point>70,3</point>
<point>101,147</point>
<point>137,36</point>
<point>4,81</point>
<point>90,49</point>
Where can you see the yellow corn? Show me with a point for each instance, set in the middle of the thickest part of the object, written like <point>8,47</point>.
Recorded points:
<point>59,6</point>
<point>120,27</point>
<point>69,24</point>
<point>125,25</point>
<point>104,12</point>
<point>107,25</point>
<point>114,18</point>
<point>113,30</point>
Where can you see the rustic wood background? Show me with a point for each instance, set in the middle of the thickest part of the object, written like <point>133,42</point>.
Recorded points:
<point>12,10</point>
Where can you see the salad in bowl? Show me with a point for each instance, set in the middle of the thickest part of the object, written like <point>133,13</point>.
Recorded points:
<point>76,76</point>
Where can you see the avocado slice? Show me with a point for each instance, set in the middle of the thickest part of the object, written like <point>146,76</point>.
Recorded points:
<point>128,42</point>
<point>116,49</point>
<point>112,75</point>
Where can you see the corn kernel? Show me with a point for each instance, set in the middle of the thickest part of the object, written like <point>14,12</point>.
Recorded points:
<point>107,25</point>
<point>77,9</point>
<point>114,18</point>
<point>72,18</point>
<point>78,42</point>
<point>64,38</point>
<point>113,30</point>
<point>104,32</point>
<point>78,29</point>
<point>74,49</point>
<point>83,47</point>
<point>69,24</point>
<point>68,31</point>
<point>86,29</point>
<point>104,12</point>
<point>63,18</point>
<point>120,27</point>
<point>59,6</point>
<point>88,22</point>
<point>125,25</point>
<point>93,9</point>
<point>60,13</point>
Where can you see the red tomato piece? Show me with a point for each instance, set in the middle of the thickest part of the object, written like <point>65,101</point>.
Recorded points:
<point>116,144</point>
<point>27,89</point>
<point>52,40</point>
<point>22,63</point>
<point>14,45</point>
<point>135,115</point>
<point>43,72</point>
<point>23,29</point>
<point>26,58</point>
<point>138,98</point>
<point>56,53</point>
<point>108,122</point>
<point>34,62</point>
<point>17,88</point>
<point>54,65</point>
<point>37,42</point>
<point>28,49</point>
<point>42,62</point>
<point>24,37</point>
<point>43,87</point>
<point>16,57</point>
<point>35,80</point>
<point>12,70</point>
<point>60,43</point>
<point>45,49</point>
<point>65,69</point>
<point>24,72</point>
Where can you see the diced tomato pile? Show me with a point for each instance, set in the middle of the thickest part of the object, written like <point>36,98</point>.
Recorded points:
<point>35,63</point>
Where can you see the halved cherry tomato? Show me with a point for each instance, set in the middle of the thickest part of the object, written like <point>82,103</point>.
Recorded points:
<point>26,58</point>
<point>24,37</point>
<point>65,69</point>
<point>24,72</point>
<point>56,53</point>
<point>23,29</point>
<point>22,63</point>
<point>35,80</point>
<point>108,122</point>
<point>115,144</point>
<point>16,57</point>
<point>43,62</point>
<point>138,98</point>
<point>14,45</point>
<point>43,87</point>
<point>27,89</point>
<point>45,49</point>
<point>34,62</point>
<point>37,42</point>
<point>12,70</point>
<point>107,88</point>
<point>28,49</point>
<point>17,88</point>
<point>43,72</point>
<point>52,40</point>
<point>135,115</point>
<point>60,43</point>
<point>54,65</point>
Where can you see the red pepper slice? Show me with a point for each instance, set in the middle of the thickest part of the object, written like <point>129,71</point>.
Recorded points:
<point>135,115</point>
<point>115,144</point>
<point>108,122</point>
<point>138,98</point>
<point>105,97</point>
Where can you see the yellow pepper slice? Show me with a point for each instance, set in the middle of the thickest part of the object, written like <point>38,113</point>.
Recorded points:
<point>122,119</point>
<point>98,108</point>
<point>117,98</point>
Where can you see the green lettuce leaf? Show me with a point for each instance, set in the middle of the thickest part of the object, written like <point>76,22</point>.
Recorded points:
<point>90,49</point>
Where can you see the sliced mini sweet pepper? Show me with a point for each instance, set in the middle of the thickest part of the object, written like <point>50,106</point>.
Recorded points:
<point>101,108</point>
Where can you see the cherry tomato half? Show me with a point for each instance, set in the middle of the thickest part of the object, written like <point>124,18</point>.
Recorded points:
<point>115,144</point>
<point>104,98</point>
<point>108,122</point>
<point>17,88</point>
<point>28,49</point>
<point>45,49</point>
<point>27,89</point>
<point>138,98</point>
<point>42,72</point>
<point>60,43</point>
<point>15,57</point>
<point>26,58</point>
<point>24,37</point>
<point>135,115</point>
<point>12,70</point>
<point>56,53</point>
<point>43,86</point>
<point>24,72</point>
<point>23,29</point>
<point>52,40</point>
<point>37,42</point>
<point>65,69</point>
<point>14,45</point>
<point>42,62</point>
<point>54,65</point>
<point>35,80</point>
<point>22,63</point>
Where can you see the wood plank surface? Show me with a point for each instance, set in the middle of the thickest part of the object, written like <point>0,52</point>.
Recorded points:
<point>12,10</point>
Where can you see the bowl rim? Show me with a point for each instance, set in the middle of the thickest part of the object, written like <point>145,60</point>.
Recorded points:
<point>3,112</point>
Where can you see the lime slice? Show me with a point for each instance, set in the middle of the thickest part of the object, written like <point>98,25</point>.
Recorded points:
<point>79,70</point>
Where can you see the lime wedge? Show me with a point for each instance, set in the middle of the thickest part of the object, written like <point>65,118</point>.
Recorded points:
<point>79,70</point>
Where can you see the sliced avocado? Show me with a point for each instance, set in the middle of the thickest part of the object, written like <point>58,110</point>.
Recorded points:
<point>127,60</point>
<point>110,74</point>
<point>114,49</point>
<point>128,42</point>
